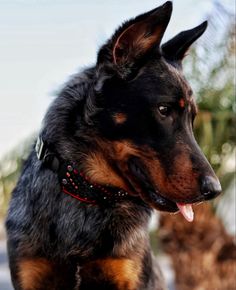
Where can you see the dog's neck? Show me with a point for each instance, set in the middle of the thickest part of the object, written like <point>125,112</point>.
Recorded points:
<point>75,183</point>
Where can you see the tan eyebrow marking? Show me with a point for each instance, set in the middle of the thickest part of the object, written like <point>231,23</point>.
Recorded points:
<point>119,118</point>
<point>182,103</point>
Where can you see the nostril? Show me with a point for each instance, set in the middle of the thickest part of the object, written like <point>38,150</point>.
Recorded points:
<point>210,187</point>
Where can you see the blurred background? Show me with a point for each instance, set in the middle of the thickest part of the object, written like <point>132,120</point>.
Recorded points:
<point>44,42</point>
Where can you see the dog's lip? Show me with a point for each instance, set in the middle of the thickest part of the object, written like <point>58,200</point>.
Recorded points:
<point>146,190</point>
<point>159,202</point>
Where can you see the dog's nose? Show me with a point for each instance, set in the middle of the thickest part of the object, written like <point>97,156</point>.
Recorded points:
<point>210,187</point>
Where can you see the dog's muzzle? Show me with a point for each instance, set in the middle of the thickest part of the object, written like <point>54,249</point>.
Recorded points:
<point>210,188</point>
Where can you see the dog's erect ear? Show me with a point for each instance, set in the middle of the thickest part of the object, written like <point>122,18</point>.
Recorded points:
<point>136,37</point>
<point>145,32</point>
<point>175,49</point>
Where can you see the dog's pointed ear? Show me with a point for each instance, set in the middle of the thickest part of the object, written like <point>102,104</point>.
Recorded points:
<point>145,32</point>
<point>136,37</point>
<point>176,48</point>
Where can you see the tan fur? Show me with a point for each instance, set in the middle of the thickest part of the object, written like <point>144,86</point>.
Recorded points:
<point>123,272</point>
<point>124,149</point>
<point>99,171</point>
<point>182,103</point>
<point>97,168</point>
<point>120,118</point>
<point>32,272</point>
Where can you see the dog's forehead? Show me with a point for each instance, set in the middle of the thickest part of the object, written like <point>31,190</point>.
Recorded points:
<point>178,80</point>
<point>160,79</point>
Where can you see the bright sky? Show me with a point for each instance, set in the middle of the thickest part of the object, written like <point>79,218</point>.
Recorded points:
<point>43,42</point>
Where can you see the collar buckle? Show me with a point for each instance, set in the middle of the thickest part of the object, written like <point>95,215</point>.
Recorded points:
<point>40,149</point>
<point>44,154</point>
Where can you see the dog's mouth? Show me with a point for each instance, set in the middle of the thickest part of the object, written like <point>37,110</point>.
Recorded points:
<point>141,183</point>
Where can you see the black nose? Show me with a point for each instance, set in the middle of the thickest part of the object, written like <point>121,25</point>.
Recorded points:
<point>210,187</point>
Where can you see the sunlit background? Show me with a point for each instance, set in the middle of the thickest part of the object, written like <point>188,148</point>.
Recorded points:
<point>43,42</point>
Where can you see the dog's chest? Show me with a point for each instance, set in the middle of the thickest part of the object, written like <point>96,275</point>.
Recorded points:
<point>112,273</point>
<point>122,267</point>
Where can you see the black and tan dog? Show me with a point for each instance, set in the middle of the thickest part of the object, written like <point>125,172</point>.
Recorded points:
<point>116,143</point>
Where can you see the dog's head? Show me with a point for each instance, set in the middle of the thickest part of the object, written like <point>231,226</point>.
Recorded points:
<point>138,119</point>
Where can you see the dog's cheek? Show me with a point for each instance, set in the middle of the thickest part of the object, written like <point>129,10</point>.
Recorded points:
<point>98,166</point>
<point>178,183</point>
<point>184,178</point>
<point>98,170</point>
<point>157,173</point>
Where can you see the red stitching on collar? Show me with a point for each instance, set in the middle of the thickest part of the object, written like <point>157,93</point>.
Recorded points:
<point>78,197</point>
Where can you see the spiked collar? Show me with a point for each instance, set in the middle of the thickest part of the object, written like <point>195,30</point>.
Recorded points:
<point>74,182</point>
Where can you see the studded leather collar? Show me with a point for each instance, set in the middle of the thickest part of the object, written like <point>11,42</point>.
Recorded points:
<point>74,182</point>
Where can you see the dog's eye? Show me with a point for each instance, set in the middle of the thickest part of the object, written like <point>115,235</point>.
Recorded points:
<point>164,110</point>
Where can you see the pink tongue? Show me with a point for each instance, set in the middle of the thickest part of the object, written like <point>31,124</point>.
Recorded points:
<point>187,211</point>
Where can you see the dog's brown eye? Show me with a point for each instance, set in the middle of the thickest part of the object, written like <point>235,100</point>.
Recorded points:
<point>164,110</point>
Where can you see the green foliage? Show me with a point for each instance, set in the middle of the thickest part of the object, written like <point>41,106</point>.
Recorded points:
<point>10,167</point>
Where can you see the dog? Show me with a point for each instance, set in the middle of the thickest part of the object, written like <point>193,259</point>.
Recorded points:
<point>116,143</point>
